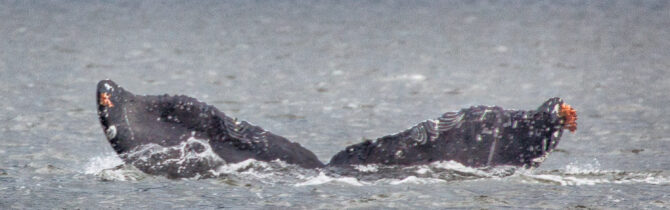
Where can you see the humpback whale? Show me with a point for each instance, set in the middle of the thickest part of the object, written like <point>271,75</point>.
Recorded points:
<point>179,136</point>
<point>477,136</point>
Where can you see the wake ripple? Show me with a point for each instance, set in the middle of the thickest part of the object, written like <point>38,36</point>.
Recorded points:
<point>111,168</point>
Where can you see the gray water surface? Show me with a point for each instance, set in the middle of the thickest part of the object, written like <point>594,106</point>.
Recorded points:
<point>327,75</point>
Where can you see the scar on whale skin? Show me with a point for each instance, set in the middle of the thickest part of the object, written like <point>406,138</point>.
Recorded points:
<point>156,134</point>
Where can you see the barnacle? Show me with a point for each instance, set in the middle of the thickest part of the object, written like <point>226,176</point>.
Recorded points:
<point>569,116</point>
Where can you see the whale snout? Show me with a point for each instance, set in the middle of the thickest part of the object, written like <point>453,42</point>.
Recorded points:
<point>109,97</point>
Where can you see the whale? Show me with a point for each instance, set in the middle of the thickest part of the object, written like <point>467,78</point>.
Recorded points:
<point>479,136</point>
<point>181,137</point>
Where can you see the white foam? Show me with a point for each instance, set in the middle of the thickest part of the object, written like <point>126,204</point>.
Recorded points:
<point>208,153</point>
<point>577,168</point>
<point>107,167</point>
<point>184,149</point>
<point>125,173</point>
<point>111,168</point>
<point>247,168</point>
<point>456,166</point>
<point>241,166</point>
<point>96,164</point>
<point>416,180</point>
<point>422,170</point>
<point>322,178</point>
<point>564,180</point>
<point>367,168</point>
<point>591,173</point>
<point>407,77</point>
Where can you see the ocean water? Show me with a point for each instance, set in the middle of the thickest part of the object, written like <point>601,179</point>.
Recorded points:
<point>328,75</point>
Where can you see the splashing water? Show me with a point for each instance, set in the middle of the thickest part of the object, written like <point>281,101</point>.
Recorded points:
<point>97,164</point>
<point>591,173</point>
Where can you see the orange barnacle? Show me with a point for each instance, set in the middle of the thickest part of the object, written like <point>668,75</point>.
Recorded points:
<point>104,100</point>
<point>569,116</point>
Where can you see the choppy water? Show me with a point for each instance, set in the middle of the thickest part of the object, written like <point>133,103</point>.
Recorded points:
<point>327,75</point>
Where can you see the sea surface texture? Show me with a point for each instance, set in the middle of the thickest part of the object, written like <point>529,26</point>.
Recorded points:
<point>331,74</point>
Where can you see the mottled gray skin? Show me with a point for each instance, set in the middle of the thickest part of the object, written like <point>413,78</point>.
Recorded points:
<point>171,120</point>
<point>478,136</point>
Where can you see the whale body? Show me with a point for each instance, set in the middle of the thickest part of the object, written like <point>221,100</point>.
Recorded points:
<point>478,136</point>
<point>179,136</point>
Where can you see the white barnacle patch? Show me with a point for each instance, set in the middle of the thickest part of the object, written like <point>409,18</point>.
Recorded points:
<point>106,113</point>
<point>555,109</point>
<point>110,132</point>
<point>109,87</point>
<point>556,133</point>
<point>399,154</point>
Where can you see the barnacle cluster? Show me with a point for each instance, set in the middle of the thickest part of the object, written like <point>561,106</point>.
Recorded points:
<point>104,100</point>
<point>569,116</point>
